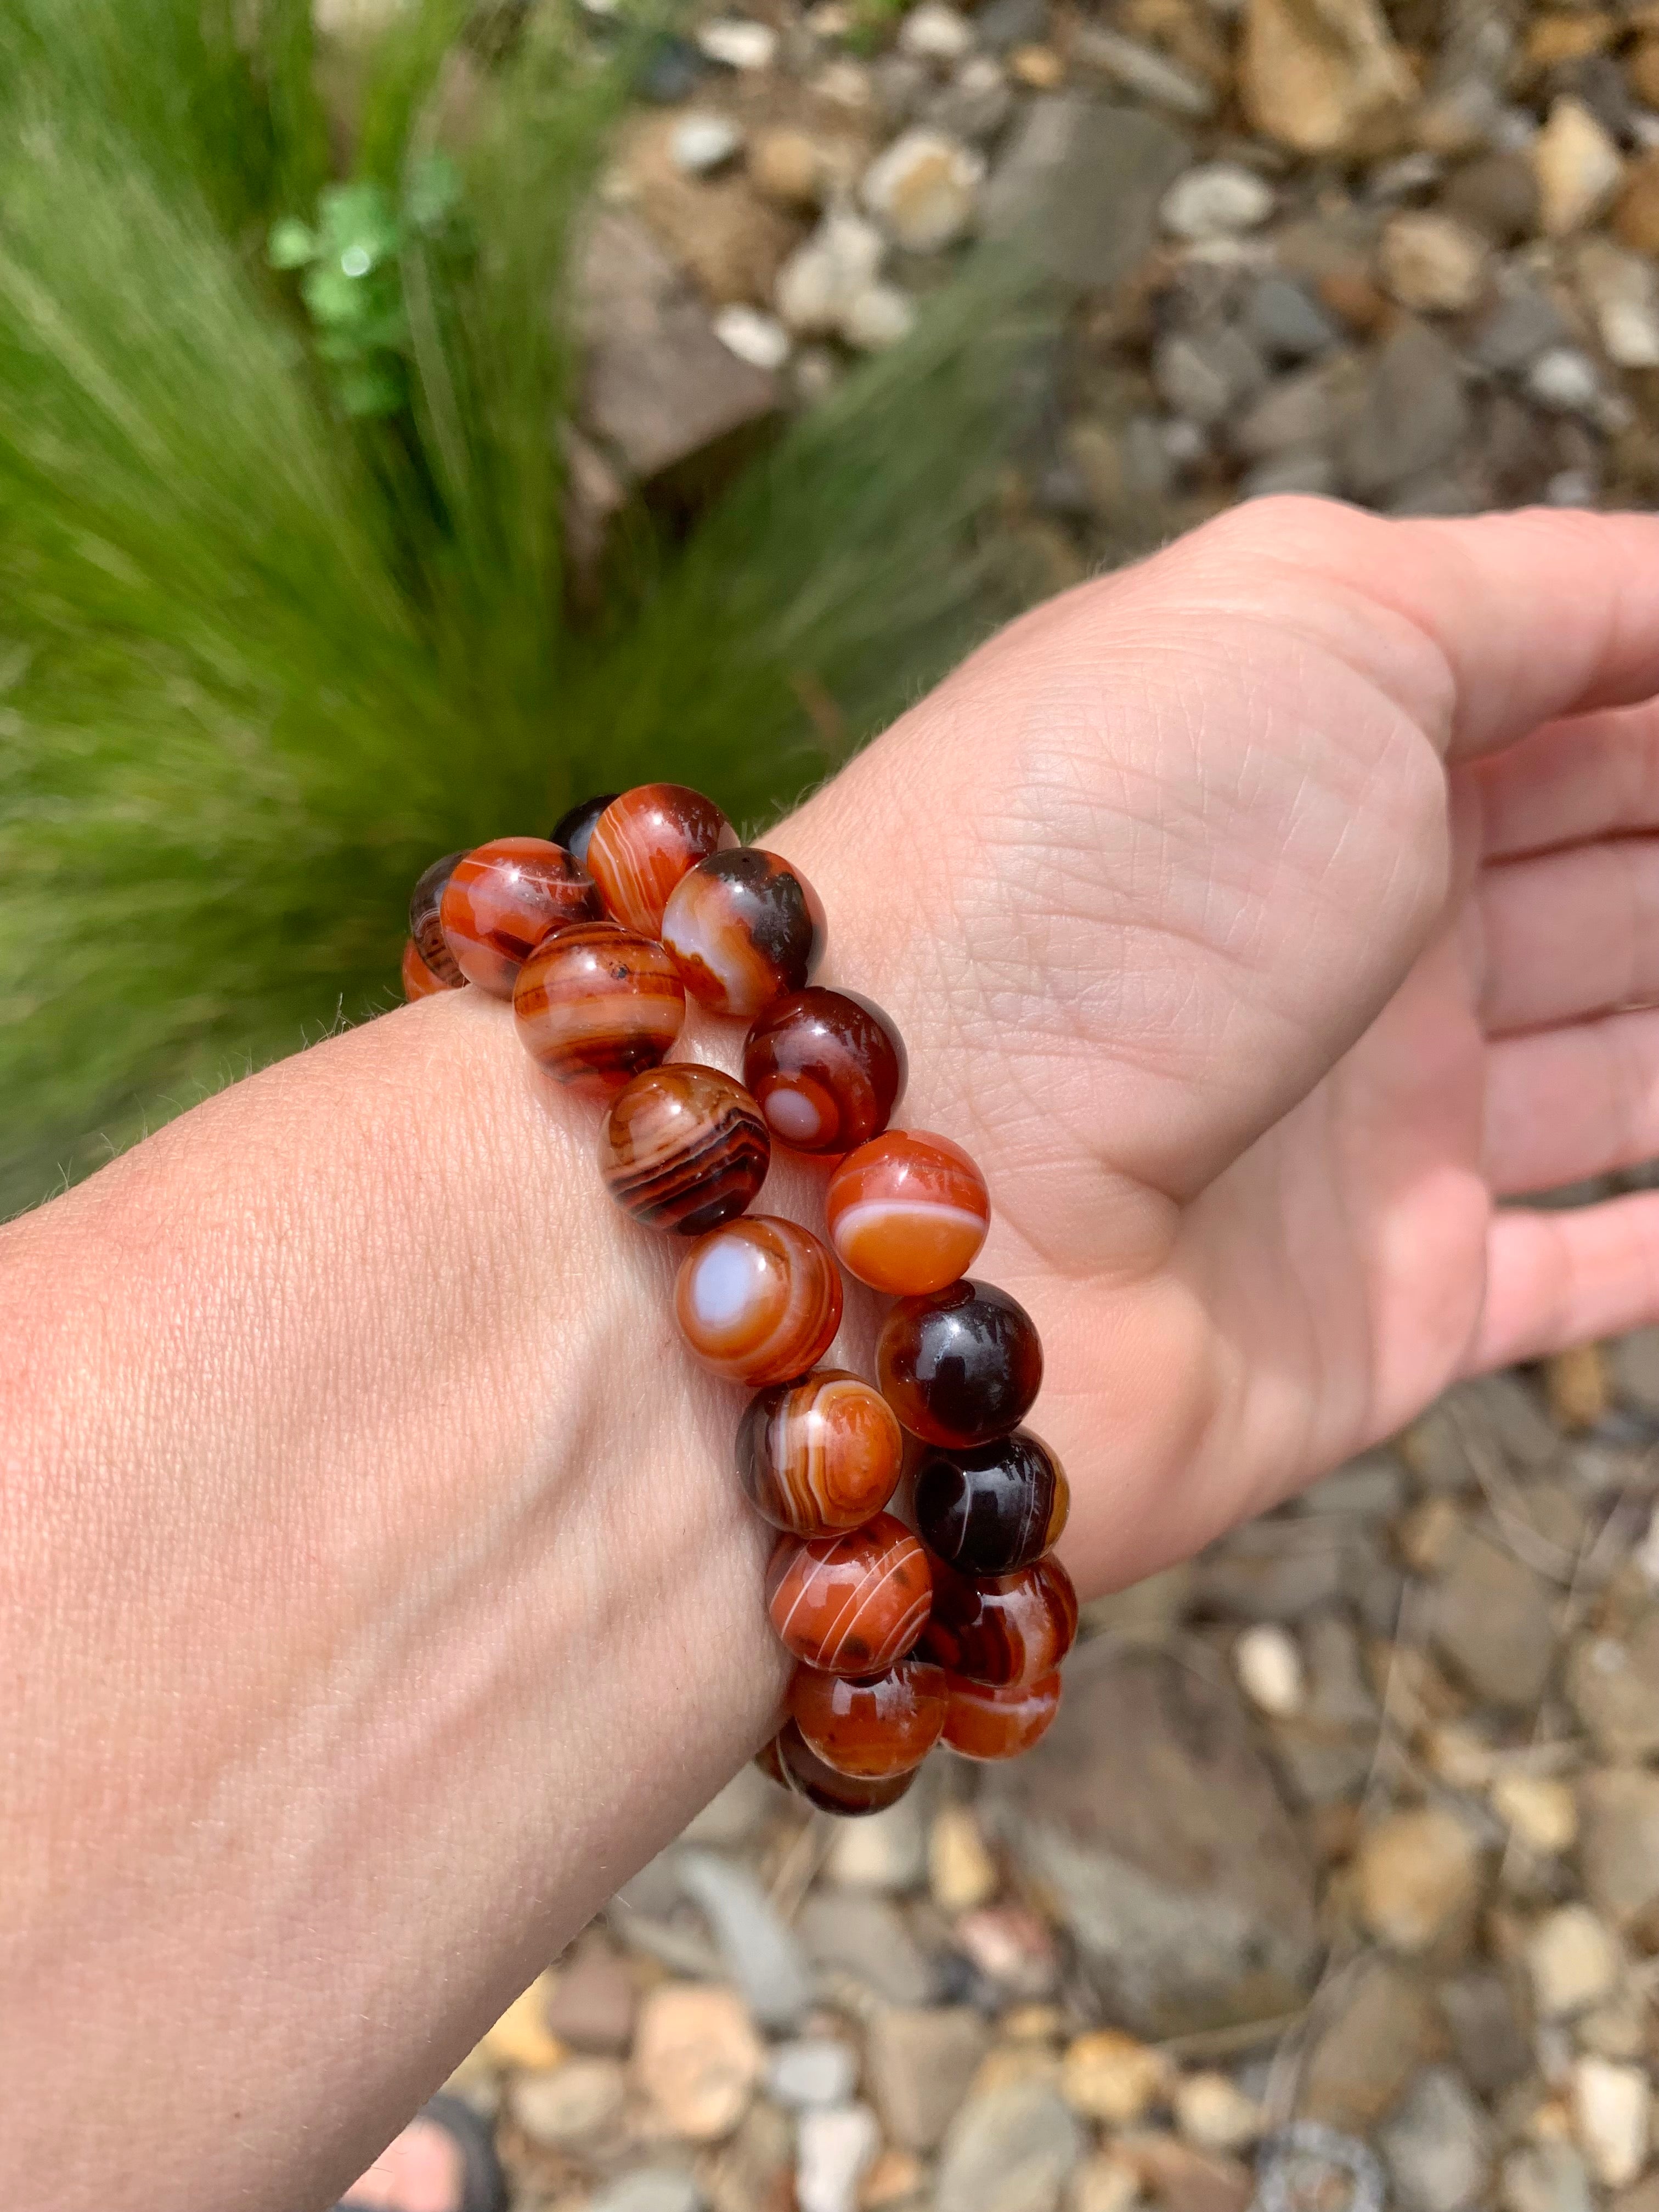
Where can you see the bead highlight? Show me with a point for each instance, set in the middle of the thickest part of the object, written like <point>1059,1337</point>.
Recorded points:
<point>907,1212</point>
<point>759,1300</point>
<point>871,1726</point>
<point>983,1721</point>
<point>644,842</point>
<point>827,1068</point>
<point>961,1366</point>
<point>595,1004</point>
<point>999,1506</point>
<point>744,928</point>
<point>821,1455</point>
<point>850,1604</point>
<point>503,899</point>
<point>683,1148</point>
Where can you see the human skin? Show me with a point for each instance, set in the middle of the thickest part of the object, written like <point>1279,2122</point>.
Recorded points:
<point>376,1593</point>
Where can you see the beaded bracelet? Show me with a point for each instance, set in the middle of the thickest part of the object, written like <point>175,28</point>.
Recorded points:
<point>595,935</point>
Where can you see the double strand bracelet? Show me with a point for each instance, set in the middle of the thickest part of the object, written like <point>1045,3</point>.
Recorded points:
<point>596,934</point>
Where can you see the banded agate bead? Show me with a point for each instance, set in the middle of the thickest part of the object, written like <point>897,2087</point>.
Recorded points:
<point>644,842</point>
<point>758,1300</point>
<point>961,1366</point>
<point>595,1004</point>
<point>503,899</point>
<point>984,1721</point>
<point>575,828</point>
<point>425,928</point>
<point>994,1508</point>
<point>744,928</point>
<point>875,1725</point>
<point>820,1454</point>
<point>683,1148</point>
<point>419,982</point>
<point>850,1604</point>
<point>801,1770</point>
<point>827,1069</point>
<point>907,1212</point>
<point>1002,1629</point>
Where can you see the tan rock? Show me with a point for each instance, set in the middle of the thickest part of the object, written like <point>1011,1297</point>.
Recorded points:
<point>1620,1854</point>
<point>1540,1810</point>
<point>733,240</point>
<point>924,189</point>
<point>961,1871</point>
<point>521,2036</point>
<point>1614,1683</point>
<point>1110,2077</point>
<point>1103,2184</point>
<point>922,2061</point>
<point>1369,2047</point>
<point>895,2177</point>
<point>1184,2179</point>
<point>1211,2111</point>
<point>1431,263</point>
<point>1572,1960</point>
<point>1419,1875</point>
<point>1555,38</point>
<point>1269,1668</point>
<point>788,167</point>
<point>1636,215</point>
<point>1038,68</point>
<point>1578,165</point>
<point>1641,70</point>
<point>1578,1383</point>
<point>697,2057</point>
<point>1610,2115</point>
<point>1323,76</point>
<point>1427,1535</point>
<point>575,2105</point>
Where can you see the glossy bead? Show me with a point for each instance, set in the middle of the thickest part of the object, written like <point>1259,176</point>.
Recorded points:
<point>908,1211</point>
<point>759,1300</point>
<point>644,842</point>
<point>849,1795</point>
<point>850,1604</point>
<point>1004,1629</point>
<point>827,1068</point>
<point>595,1004</point>
<point>419,982</point>
<point>983,1721</point>
<point>874,1726</point>
<point>424,927</point>
<point>962,1366</point>
<point>683,1148</point>
<point>503,899</point>
<point>820,1454</point>
<point>744,928</point>
<point>996,1507</point>
<point>575,828</point>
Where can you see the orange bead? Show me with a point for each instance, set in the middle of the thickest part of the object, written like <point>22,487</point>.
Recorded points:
<point>645,842</point>
<point>820,1454</point>
<point>983,1721</point>
<point>419,982</point>
<point>1002,1629</point>
<point>758,1300</point>
<point>908,1211</point>
<point>503,899</point>
<point>596,1005</point>
<point>850,1604</point>
<point>744,928</point>
<point>875,1726</point>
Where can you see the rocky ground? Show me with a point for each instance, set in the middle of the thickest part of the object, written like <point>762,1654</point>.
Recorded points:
<point>1337,1880</point>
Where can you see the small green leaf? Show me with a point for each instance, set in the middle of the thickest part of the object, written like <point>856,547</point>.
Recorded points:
<point>292,244</point>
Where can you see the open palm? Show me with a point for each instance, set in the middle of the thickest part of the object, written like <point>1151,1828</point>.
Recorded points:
<point>1262,918</point>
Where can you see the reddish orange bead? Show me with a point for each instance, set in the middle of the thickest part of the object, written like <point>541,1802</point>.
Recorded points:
<point>596,1005</point>
<point>875,1726</point>
<point>908,1211</point>
<point>983,1721</point>
<point>645,842</point>
<point>820,1454</point>
<point>759,1300</point>
<point>425,926</point>
<point>419,982</point>
<point>1003,1629</point>
<point>743,927</point>
<point>794,1761</point>
<point>850,1604</point>
<point>503,899</point>
<point>827,1069</point>
<point>683,1148</point>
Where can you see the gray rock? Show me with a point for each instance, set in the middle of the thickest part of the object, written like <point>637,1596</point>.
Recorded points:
<point>736,1814</point>
<point>1523,323</point>
<point>1327,1749</point>
<point>976,104</point>
<point>1149,1817</point>
<point>1002,24</point>
<point>1619,1843</point>
<point>1498,194</point>
<point>702,143</point>
<point>920,2065</point>
<point>1546,2177</point>
<point>1489,2040</point>
<point>1207,375</point>
<point>658,2188</point>
<point>759,1953</point>
<point>1438,2145</point>
<point>868,1938</point>
<point>1296,411</point>
<point>1287,320</point>
<point>1141,70</point>
<point>1492,1622</point>
<point>1636,1369</point>
<point>1083,179</point>
<point>1013,2149</point>
<point>1274,1570</point>
<point>1415,416</point>
<point>820,2070</point>
<point>1565,381</point>
<point>1377,2029</point>
<point>1437,491</point>
<point>1497,1415</point>
<point>1309,471</point>
<point>1615,1684</point>
<point>1369,1488</point>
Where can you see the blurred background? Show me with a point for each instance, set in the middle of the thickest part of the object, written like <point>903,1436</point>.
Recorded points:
<point>415,418</point>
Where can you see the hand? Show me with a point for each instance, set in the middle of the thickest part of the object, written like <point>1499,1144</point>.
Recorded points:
<point>1261,918</point>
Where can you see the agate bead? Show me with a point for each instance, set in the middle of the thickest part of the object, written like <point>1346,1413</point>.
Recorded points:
<point>961,1366</point>
<point>1003,1629</point>
<point>644,842</point>
<point>820,1454</point>
<point>419,982</point>
<point>808,1775</point>
<point>827,1069</point>
<point>994,1508</point>
<point>575,828</point>
<point>985,1721</point>
<point>595,1004</point>
<point>850,1604</point>
<point>683,1148</point>
<point>503,899</point>
<point>908,1211</point>
<point>744,928</point>
<point>759,1300</point>
<point>426,929</point>
<point>871,1725</point>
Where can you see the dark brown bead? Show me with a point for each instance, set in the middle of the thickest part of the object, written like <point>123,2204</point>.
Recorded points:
<point>983,1721</point>
<point>820,1454</point>
<point>683,1148</point>
<point>744,927</point>
<point>850,1604</point>
<point>419,982</point>
<point>425,926</point>
<point>873,1726</point>
<point>827,1069</point>
<point>993,1508</point>
<point>849,1795</point>
<point>960,1365</point>
<point>575,828</point>
<point>1001,1628</point>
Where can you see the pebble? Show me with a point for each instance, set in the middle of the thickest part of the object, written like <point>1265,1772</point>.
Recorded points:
<point>759,1952</point>
<point>976,104</point>
<point>924,189</point>
<point>1418,1875</point>
<point>1431,263</point>
<point>934,32</point>
<point>1370,2047</point>
<point>738,43</point>
<point>1578,165</point>
<point>1493,1619</point>
<point>921,2062</point>
<point>961,1872</point>
<point>760,339</point>
<point>1269,1668</point>
<point>1318,85</point>
<point>867,1936</point>
<point>700,144</point>
<point>521,2036</point>
<point>1578,1382</point>
<point>836,2149</point>
<point>1488,2039</point>
<point>1437,2147</point>
<point>818,2071</point>
<point>573,2106</point>
<point>1184,2179</point>
<point>654,2189</point>
<point>1546,2177</point>
<point>1636,222</point>
<point>787,167</point>
<point>1011,1947</point>
<point>1572,1960</point>
<point>697,2057</point>
<point>1110,2077</point>
<point>1142,68</point>
<point>1285,319</point>
<point>1619,1853</point>
<point>1613,1682</point>
<point>1539,1809</point>
<point>1610,2112</point>
<point>1206,375</point>
<point>1219,199</point>
<point>1211,2111</point>
<point>592,2002</point>
<point>815,286</point>
<point>1103,2184</point>
<point>1013,2147</point>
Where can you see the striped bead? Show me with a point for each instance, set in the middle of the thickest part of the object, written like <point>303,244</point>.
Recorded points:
<point>419,982</point>
<point>793,1762</point>
<point>759,1300</point>
<point>983,1721</point>
<point>644,842</point>
<point>820,1454</point>
<point>575,828</point>
<point>503,899</point>
<point>827,1069</point>
<point>908,1211</point>
<point>999,1506</point>
<point>744,927</point>
<point>850,1604</point>
<point>876,1725</point>
<point>1003,1629</point>
<point>961,1366</point>
<point>684,1147</point>
<point>425,928</point>
<point>596,1004</point>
